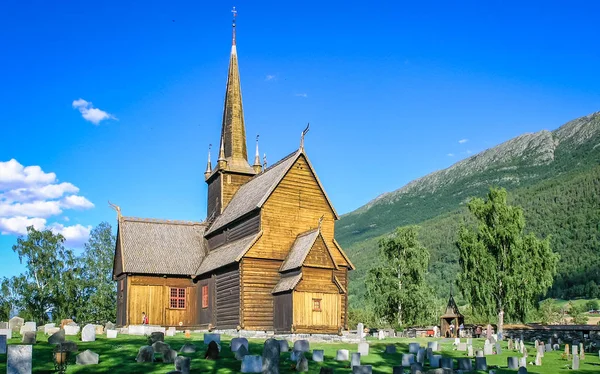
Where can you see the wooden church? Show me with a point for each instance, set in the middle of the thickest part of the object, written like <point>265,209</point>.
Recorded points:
<point>264,259</point>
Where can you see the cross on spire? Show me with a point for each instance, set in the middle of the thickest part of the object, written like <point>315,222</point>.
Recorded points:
<point>233,24</point>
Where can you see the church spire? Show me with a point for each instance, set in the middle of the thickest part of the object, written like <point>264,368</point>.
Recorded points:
<point>233,131</point>
<point>208,164</point>
<point>257,166</point>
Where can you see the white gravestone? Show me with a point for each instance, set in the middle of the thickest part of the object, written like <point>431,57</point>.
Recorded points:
<point>111,334</point>
<point>71,330</point>
<point>28,326</point>
<point>363,349</point>
<point>88,334</point>
<point>360,330</point>
<point>7,333</point>
<point>49,326</point>
<point>19,359</point>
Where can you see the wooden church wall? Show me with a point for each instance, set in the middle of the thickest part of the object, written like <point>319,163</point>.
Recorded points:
<point>307,319</point>
<point>282,312</point>
<point>259,277</point>
<point>342,276</point>
<point>227,283</point>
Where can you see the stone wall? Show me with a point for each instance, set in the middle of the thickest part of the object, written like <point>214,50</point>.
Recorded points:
<point>589,335</point>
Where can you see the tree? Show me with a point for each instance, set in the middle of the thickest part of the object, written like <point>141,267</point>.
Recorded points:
<point>592,305</point>
<point>48,264</point>
<point>99,289</point>
<point>397,288</point>
<point>8,298</point>
<point>577,312</point>
<point>550,313</point>
<point>503,270</point>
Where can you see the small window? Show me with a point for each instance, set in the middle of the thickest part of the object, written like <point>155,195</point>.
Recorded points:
<point>204,297</point>
<point>316,305</point>
<point>177,298</point>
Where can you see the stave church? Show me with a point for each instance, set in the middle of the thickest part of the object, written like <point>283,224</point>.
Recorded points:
<point>265,258</point>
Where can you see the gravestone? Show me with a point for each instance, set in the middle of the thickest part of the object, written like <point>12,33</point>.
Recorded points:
<point>145,354</point>
<point>2,344</point>
<point>212,338</point>
<point>360,330</point>
<point>389,349</point>
<point>294,355</point>
<point>342,355</point>
<point>456,341</point>
<point>169,356</point>
<point>270,356</point>
<point>326,371</point>
<point>447,363</point>
<point>470,350</point>
<point>469,341</point>
<point>53,330</point>
<point>355,359</point>
<point>522,370</point>
<point>109,326</point>
<point>435,361</point>
<point>380,334</point>
<point>99,329</point>
<point>513,363</point>
<point>574,349</point>
<point>48,326</point>
<point>301,346</point>
<point>536,343</point>
<point>301,364</point>
<point>408,359</point>
<point>188,348</point>
<point>111,334</point>
<point>433,345</point>
<point>362,369</point>
<point>498,348</point>
<point>157,336</point>
<point>487,349</point>
<point>283,345</point>
<point>28,326</point>
<point>57,337</point>
<point>523,361</point>
<point>240,353</point>
<point>236,343</point>
<point>161,347</point>
<point>481,363</point>
<point>212,352</point>
<point>398,370</point>
<point>548,347</point>
<point>462,347</point>
<point>575,365</point>
<point>252,364</point>
<point>464,364</point>
<point>416,368</point>
<point>3,325</point>
<point>16,323</point>
<point>479,354</point>
<point>318,355</point>
<point>170,332</point>
<point>510,344</point>
<point>183,364</point>
<point>7,333</point>
<point>428,353</point>
<point>88,333</point>
<point>19,359</point>
<point>71,330</point>
<point>555,347</point>
<point>538,359</point>
<point>581,352</point>
<point>29,337</point>
<point>87,357</point>
<point>413,347</point>
<point>363,348</point>
<point>421,356</point>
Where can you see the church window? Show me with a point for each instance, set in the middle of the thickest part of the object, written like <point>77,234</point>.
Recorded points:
<point>316,305</point>
<point>204,296</point>
<point>177,298</point>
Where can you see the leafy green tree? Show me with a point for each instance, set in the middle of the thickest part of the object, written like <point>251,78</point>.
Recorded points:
<point>549,312</point>
<point>592,305</point>
<point>578,314</point>
<point>503,270</point>
<point>8,298</point>
<point>47,262</point>
<point>396,288</point>
<point>99,289</point>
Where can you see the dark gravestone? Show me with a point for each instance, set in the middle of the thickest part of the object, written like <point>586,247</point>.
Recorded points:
<point>212,353</point>
<point>183,364</point>
<point>57,337</point>
<point>301,346</point>
<point>240,353</point>
<point>498,348</point>
<point>301,364</point>
<point>145,354</point>
<point>513,363</point>
<point>156,336</point>
<point>413,347</point>
<point>188,348</point>
<point>522,370</point>
<point>326,371</point>
<point>390,349</point>
<point>480,363</point>
<point>161,347</point>
<point>69,346</point>
<point>362,369</point>
<point>236,343</point>
<point>355,359</point>
<point>447,363</point>
<point>2,344</point>
<point>169,356</point>
<point>283,346</point>
<point>416,368</point>
<point>109,326</point>
<point>435,361</point>
<point>408,359</point>
<point>270,357</point>
<point>29,337</point>
<point>318,355</point>
<point>465,364</point>
<point>421,356</point>
<point>398,370</point>
<point>548,347</point>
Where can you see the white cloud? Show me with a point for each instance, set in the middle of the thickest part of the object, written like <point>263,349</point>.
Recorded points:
<point>301,95</point>
<point>450,154</point>
<point>468,151</point>
<point>89,113</point>
<point>29,196</point>
<point>18,225</point>
<point>270,77</point>
<point>463,141</point>
<point>74,235</point>
<point>76,202</point>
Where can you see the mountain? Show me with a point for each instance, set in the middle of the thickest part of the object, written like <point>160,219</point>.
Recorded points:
<point>554,175</point>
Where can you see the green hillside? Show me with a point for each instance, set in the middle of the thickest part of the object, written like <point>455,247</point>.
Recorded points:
<point>555,176</point>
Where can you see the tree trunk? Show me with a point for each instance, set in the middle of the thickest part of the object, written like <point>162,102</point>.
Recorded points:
<point>399,302</point>
<point>500,321</point>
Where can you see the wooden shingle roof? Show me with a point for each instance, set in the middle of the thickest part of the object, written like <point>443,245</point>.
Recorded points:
<point>299,250</point>
<point>153,246</point>
<point>287,283</point>
<point>227,254</point>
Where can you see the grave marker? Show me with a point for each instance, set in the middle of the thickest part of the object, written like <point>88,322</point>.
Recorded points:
<point>19,359</point>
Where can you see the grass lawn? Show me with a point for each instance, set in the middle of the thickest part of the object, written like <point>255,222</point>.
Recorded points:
<point>118,356</point>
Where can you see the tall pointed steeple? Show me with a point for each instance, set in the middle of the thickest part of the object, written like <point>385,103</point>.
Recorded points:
<point>233,131</point>
<point>257,166</point>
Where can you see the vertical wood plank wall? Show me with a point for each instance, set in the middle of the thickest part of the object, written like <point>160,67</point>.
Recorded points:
<point>342,276</point>
<point>205,315</point>
<point>306,319</point>
<point>282,312</point>
<point>228,298</point>
<point>259,278</point>
<point>122,300</point>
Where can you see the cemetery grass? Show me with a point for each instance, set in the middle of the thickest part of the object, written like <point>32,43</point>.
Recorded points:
<point>118,356</point>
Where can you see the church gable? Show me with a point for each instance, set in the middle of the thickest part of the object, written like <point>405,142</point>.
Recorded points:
<point>319,255</point>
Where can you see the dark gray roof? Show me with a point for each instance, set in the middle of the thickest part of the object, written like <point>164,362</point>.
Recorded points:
<point>254,193</point>
<point>299,251</point>
<point>287,283</point>
<point>227,254</point>
<point>152,246</point>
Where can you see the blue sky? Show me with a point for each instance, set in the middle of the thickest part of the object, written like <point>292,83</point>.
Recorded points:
<point>390,89</point>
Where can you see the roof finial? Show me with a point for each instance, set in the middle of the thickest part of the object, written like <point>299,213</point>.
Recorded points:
<point>264,161</point>
<point>321,221</point>
<point>233,25</point>
<point>208,163</point>
<point>257,166</point>
<point>116,208</point>
<point>302,136</point>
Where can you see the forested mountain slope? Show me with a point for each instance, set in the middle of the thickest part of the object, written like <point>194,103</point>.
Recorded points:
<point>554,175</point>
